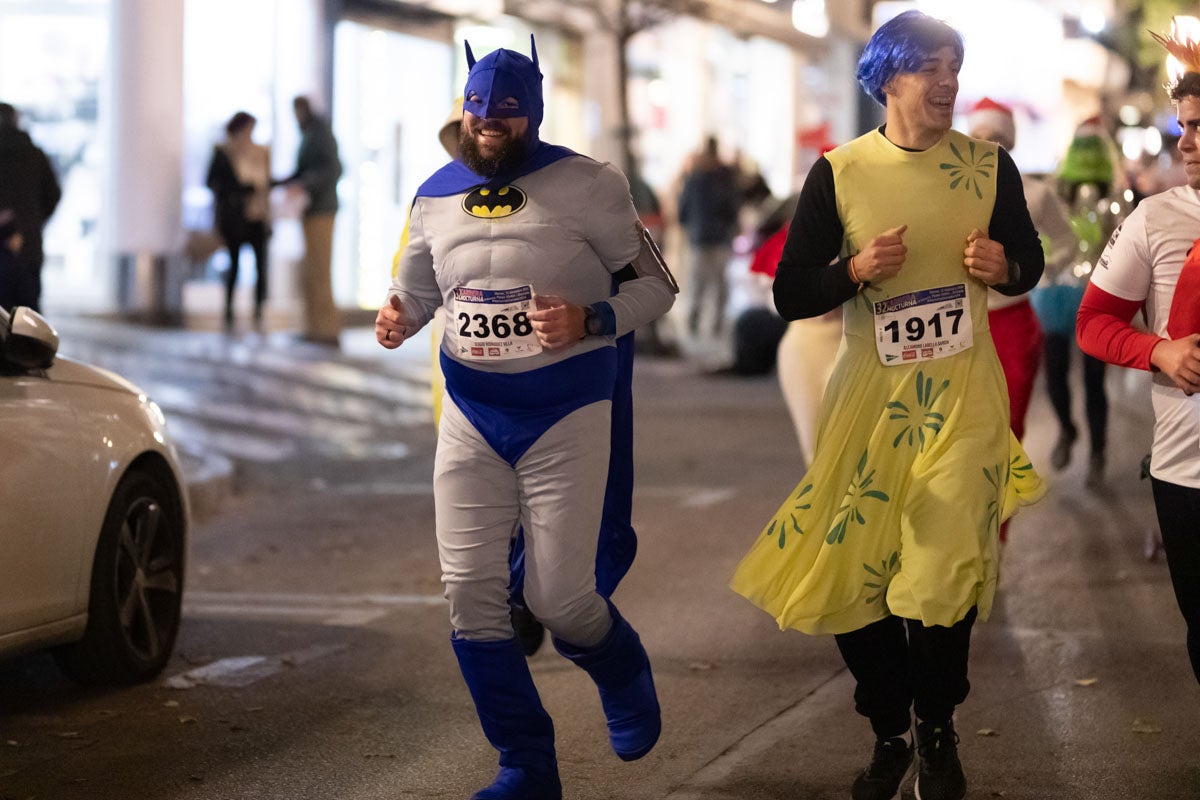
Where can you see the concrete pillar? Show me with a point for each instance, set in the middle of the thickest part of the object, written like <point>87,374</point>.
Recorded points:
<point>600,89</point>
<point>146,157</point>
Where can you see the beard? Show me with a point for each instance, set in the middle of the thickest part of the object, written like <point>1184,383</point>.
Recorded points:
<point>510,154</point>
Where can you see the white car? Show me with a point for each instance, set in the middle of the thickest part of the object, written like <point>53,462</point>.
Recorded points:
<point>93,513</point>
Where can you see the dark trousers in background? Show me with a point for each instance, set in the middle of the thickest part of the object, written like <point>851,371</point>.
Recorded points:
<point>900,663</point>
<point>20,283</point>
<point>1058,368</point>
<point>255,235</point>
<point>1178,510</point>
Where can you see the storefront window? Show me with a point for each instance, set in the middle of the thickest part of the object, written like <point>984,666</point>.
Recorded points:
<point>228,68</point>
<point>691,79</point>
<point>392,92</point>
<point>52,67</point>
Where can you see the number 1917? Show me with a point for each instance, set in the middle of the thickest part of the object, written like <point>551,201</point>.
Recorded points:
<point>915,328</point>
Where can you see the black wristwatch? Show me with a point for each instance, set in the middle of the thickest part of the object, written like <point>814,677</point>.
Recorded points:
<point>592,324</point>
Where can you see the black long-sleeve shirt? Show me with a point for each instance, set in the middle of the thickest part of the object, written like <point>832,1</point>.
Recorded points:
<point>809,282</point>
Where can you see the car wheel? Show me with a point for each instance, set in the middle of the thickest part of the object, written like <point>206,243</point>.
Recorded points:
<point>136,589</point>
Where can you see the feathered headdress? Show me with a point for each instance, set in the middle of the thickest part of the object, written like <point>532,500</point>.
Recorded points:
<point>1183,48</point>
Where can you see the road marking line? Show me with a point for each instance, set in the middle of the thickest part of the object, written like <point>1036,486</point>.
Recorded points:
<point>239,671</point>
<point>225,672</point>
<point>354,610</point>
<point>307,599</point>
<point>689,496</point>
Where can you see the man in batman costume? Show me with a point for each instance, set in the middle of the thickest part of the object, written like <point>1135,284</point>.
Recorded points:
<point>523,242</point>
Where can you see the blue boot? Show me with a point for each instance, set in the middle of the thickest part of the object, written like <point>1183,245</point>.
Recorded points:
<point>621,669</point>
<point>512,718</point>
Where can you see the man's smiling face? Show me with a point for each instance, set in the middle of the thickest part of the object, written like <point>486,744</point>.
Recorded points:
<point>489,144</point>
<point>925,99</point>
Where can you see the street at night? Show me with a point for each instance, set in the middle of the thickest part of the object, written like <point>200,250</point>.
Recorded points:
<point>314,658</point>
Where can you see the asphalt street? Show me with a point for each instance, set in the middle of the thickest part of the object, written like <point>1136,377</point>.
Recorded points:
<point>314,662</point>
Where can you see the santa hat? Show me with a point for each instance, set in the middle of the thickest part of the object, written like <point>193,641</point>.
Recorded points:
<point>993,116</point>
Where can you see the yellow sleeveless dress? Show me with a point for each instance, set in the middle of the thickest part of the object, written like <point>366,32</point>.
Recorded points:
<point>915,464</point>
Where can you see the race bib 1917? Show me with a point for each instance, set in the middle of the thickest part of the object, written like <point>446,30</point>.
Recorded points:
<point>923,325</point>
<point>493,324</point>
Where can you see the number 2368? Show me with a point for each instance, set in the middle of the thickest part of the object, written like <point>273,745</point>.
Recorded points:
<point>481,326</point>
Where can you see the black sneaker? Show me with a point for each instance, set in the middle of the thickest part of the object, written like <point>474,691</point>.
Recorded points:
<point>530,633</point>
<point>940,776</point>
<point>1060,456</point>
<point>882,777</point>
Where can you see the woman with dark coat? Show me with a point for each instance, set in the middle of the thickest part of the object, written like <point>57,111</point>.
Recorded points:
<point>239,176</point>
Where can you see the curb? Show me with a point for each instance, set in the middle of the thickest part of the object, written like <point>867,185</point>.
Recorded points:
<point>208,479</point>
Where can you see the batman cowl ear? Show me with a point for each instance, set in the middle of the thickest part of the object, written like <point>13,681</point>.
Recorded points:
<point>470,55</point>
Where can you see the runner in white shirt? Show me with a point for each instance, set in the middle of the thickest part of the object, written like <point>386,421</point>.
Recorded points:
<point>1146,266</point>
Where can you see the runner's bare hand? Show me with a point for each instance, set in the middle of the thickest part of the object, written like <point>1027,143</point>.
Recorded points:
<point>392,324</point>
<point>557,323</point>
<point>1179,360</point>
<point>882,258</point>
<point>984,258</point>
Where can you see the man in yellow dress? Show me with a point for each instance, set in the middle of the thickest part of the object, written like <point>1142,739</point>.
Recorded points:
<point>890,541</point>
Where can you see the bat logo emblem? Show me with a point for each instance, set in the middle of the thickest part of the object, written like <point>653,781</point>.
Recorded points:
<point>487,203</point>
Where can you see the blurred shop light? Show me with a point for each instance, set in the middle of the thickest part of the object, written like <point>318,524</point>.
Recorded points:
<point>1136,142</point>
<point>1089,64</point>
<point>808,16</point>
<point>1131,145</point>
<point>1130,115</point>
<point>1183,28</point>
<point>658,91</point>
<point>486,38</point>
<point>1153,142</point>
<point>477,9</point>
<point>1093,19</point>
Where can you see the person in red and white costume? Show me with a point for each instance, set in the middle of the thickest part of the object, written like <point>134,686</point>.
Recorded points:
<point>1014,325</point>
<point>1015,328</point>
<point>1151,265</point>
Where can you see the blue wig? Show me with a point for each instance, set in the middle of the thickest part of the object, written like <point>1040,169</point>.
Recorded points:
<point>901,45</point>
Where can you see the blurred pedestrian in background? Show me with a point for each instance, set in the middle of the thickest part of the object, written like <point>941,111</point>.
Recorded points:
<point>239,176</point>
<point>1087,182</point>
<point>890,540</point>
<point>1152,266</point>
<point>805,353</point>
<point>651,338</point>
<point>15,276</point>
<point>1014,325</point>
<point>708,211</point>
<point>532,363</point>
<point>807,348</point>
<point>316,176</point>
<point>29,188</point>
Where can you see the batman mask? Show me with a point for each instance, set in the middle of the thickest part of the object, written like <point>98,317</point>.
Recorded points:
<point>505,83</point>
